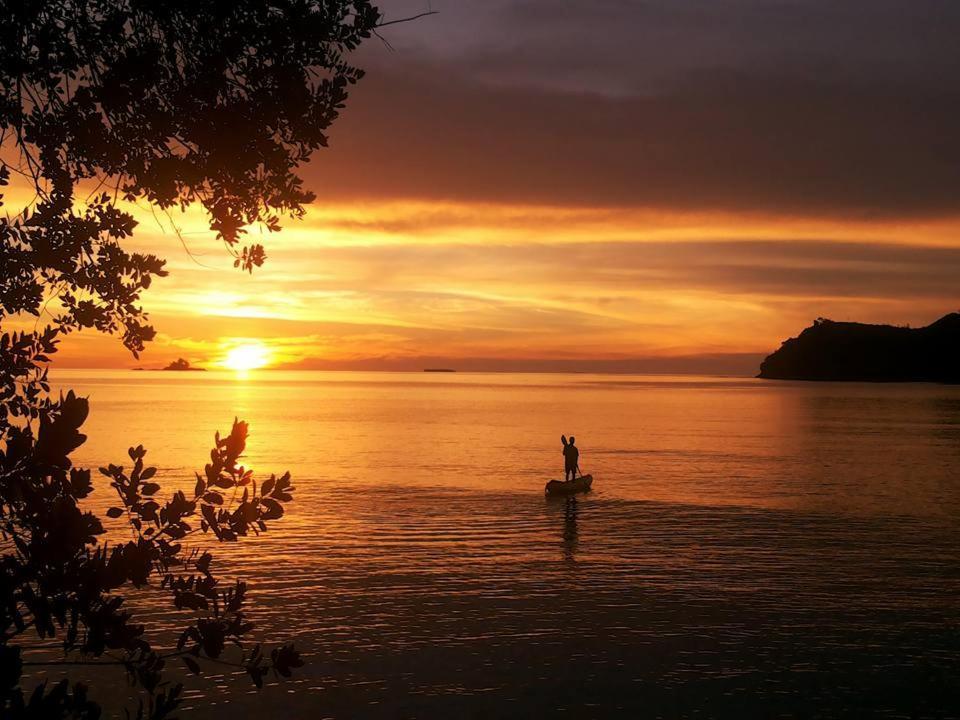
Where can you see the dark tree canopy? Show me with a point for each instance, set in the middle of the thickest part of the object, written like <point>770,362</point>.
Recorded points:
<point>174,103</point>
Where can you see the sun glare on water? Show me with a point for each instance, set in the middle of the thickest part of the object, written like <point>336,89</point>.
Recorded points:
<point>248,356</point>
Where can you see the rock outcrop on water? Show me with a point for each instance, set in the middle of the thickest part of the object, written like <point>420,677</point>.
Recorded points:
<point>181,365</point>
<point>851,351</point>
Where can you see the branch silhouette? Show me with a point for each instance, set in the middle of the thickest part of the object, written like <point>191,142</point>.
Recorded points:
<point>207,104</point>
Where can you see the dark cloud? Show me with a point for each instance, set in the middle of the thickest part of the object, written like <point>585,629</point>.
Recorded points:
<point>811,108</point>
<point>723,142</point>
<point>635,45</point>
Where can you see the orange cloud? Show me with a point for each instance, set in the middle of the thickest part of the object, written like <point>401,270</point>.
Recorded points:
<point>368,282</point>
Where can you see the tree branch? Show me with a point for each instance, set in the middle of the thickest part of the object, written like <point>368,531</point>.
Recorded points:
<point>407,19</point>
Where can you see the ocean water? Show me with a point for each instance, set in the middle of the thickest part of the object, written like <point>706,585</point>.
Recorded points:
<point>751,548</point>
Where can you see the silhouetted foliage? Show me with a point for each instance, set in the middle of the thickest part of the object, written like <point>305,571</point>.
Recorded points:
<point>173,103</point>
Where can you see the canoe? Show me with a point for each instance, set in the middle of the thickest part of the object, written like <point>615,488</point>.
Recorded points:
<point>568,487</point>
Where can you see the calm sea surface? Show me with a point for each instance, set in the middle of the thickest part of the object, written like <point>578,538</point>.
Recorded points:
<point>751,548</point>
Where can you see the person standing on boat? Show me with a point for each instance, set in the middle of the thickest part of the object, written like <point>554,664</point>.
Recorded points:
<point>571,457</point>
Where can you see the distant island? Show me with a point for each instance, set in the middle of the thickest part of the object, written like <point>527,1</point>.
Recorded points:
<point>181,365</point>
<point>850,351</point>
<point>439,370</point>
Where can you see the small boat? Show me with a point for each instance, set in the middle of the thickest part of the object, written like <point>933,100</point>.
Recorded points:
<point>568,487</point>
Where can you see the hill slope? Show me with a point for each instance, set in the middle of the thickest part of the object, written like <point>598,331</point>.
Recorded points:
<point>830,350</point>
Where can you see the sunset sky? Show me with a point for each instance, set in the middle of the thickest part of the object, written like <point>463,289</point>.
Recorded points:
<point>598,184</point>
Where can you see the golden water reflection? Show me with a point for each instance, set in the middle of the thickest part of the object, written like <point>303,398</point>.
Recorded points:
<point>740,532</point>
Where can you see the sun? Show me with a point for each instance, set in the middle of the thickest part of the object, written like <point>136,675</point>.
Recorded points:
<point>248,356</point>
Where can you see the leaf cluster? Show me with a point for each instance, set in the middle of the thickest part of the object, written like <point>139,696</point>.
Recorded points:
<point>58,580</point>
<point>180,102</point>
<point>173,103</point>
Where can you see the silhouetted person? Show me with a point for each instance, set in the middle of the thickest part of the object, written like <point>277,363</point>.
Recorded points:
<point>571,457</point>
